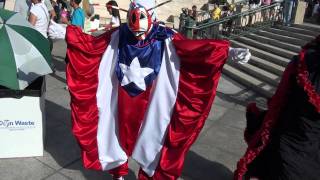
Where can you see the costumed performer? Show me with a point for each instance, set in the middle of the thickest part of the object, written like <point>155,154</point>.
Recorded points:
<point>284,141</point>
<point>141,91</point>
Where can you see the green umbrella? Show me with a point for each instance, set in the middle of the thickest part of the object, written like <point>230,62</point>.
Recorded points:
<point>24,52</point>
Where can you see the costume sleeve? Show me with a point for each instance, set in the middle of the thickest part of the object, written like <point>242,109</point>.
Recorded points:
<point>84,53</point>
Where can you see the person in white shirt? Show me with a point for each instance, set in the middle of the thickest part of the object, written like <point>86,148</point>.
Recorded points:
<point>23,7</point>
<point>115,15</point>
<point>39,17</point>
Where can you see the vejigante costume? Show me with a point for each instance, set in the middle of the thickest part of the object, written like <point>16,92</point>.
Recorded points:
<point>141,91</point>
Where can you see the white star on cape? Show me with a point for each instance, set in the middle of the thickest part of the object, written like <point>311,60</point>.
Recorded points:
<point>134,73</point>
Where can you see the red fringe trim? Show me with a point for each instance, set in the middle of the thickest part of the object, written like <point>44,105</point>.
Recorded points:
<point>303,81</point>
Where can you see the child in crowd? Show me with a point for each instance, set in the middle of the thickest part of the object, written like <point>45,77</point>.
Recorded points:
<point>77,17</point>
<point>115,15</point>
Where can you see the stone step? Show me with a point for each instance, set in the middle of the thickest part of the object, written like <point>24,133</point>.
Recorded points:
<point>266,47</point>
<point>258,73</point>
<point>266,65</point>
<point>298,30</point>
<point>308,26</point>
<point>290,34</point>
<point>271,51</point>
<point>273,42</point>
<point>282,38</point>
<point>281,61</point>
<point>249,81</point>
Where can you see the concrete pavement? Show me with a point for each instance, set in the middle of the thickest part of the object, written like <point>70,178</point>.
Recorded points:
<point>213,156</point>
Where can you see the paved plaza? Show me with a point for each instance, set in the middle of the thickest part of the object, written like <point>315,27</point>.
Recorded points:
<point>213,156</point>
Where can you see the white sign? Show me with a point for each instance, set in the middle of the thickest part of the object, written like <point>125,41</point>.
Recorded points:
<point>21,126</point>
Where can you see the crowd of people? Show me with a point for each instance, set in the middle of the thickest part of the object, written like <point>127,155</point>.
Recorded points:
<point>39,13</point>
<point>192,17</point>
<point>287,8</point>
<point>69,13</point>
<point>188,18</point>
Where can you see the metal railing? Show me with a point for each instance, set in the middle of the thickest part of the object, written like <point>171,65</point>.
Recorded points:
<point>236,25</point>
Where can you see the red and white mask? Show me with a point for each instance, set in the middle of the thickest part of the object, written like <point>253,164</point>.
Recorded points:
<point>139,20</point>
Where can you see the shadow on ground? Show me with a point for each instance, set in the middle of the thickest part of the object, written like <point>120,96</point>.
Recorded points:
<point>230,91</point>
<point>243,98</point>
<point>62,148</point>
<point>59,62</point>
<point>59,65</point>
<point>198,168</point>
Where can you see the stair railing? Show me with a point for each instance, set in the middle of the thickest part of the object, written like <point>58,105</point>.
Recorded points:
<point>236,25</point>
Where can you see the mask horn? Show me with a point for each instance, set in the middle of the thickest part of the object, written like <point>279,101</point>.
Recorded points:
<point>159,5</point>
<point>131,1</point>
<point>116,7</point>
